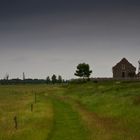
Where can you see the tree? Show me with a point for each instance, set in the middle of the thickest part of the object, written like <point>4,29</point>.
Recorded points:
<point>60,80</point>
<point>48,80</point>
<point>83,70</point>
<point>54,79</point>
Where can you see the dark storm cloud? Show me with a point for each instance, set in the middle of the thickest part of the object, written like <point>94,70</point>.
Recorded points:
<point>10,8</point>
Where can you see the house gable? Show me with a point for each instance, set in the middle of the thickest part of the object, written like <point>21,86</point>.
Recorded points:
<point>124,69</point>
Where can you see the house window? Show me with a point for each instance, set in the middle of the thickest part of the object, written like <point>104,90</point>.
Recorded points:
<point>123,66</point>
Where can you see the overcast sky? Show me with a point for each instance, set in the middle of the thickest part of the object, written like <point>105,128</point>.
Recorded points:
<point>45,37</point>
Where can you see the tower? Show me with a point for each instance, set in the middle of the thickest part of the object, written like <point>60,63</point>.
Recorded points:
<point>23,76</point>
<point>139,66</point>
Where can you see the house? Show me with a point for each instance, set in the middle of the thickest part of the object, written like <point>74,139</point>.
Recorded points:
<point>138,75</point>
<point>124,69</point>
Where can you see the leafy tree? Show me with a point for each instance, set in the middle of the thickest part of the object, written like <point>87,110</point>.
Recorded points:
<point>60,80</point>
<point>48,80</point>
<point>54,79</point>
<point>83,70</point>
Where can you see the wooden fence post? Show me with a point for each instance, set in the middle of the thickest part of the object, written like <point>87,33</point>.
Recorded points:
<point>15,121</point>
<point>31,107</point>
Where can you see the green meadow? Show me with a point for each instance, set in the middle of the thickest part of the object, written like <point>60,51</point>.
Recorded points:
<point>86,111</point>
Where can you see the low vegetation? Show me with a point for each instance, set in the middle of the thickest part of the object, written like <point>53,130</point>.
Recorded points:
<point>87,111</point>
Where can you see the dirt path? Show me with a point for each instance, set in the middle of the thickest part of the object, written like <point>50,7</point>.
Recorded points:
<point>100,128</point>
<point>67,125</point>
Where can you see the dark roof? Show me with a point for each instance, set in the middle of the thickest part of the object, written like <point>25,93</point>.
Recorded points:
<point>124,61</point>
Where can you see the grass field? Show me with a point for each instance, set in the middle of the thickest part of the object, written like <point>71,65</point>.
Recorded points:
<point>89,111</point>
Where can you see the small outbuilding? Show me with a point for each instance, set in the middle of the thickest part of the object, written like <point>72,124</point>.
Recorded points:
<point>124,69</point>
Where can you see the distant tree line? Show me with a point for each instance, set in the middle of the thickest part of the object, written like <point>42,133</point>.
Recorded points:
<point>49,80</point>
<point>54,79</point>
<point>20,81</point>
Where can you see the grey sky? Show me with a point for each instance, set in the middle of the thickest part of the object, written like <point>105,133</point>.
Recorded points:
<point>42,37</point>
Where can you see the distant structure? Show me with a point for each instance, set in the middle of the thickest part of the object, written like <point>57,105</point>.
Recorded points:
<point>138,75</point>
<point>23,76</point>
<point>139,66</point>
<point>124,69</point>
<point>6,76</point>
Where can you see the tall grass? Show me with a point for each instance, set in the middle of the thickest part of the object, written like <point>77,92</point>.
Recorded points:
<point>16,101</point>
